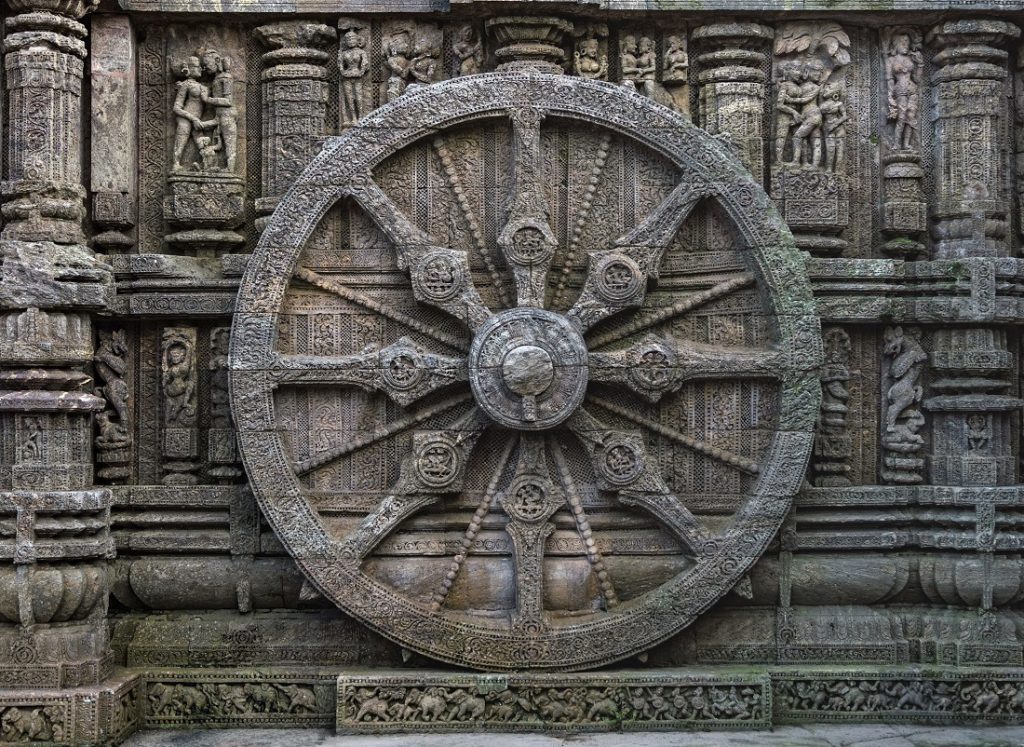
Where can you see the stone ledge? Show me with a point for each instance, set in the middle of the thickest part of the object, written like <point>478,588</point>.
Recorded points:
<point>375,701</point>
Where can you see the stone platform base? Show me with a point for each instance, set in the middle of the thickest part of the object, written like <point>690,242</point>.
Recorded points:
<point>414,700</point>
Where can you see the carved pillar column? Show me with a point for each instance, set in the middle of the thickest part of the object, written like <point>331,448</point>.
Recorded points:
<point>42,191</point>
<point>732,76</point>
<point>54,573</point>
<point>295,92</point>
<point>524,43</point>
<point>971,407</point>
<point>970,214</point>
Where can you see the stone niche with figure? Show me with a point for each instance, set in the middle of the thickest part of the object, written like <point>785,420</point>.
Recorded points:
<point>476,367</point>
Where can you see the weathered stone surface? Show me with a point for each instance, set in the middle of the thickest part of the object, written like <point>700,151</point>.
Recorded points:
<point>367,336</point>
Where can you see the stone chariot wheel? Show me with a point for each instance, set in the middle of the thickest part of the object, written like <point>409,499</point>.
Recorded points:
<point>491,399</point>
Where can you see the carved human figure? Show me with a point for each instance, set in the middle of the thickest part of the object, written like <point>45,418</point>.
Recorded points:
<point>178,383</point>
<point>398,62</point>
<point>903,66</point>
<point>209,152</point>
<point>588,62</point>
<point>355,64</point>
<point>787,114</point>
<point>835,117</point>
<point>629,61</point>
<point>907,358</point>
<point>469,50</point>
<point>32,445</point>
<point>676,61</point>
<point>423,66</point>
<point>808,131</point>
<point>189,103</point>
<point>978,432</point>
<point>222,100</point>
<point>647,64</point>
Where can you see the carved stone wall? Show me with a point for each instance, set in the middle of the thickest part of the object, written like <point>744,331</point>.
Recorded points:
<point>355,336</point>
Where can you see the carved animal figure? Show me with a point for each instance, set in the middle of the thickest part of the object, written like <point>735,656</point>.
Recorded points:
<point>433,704</point>
<point>374,707</point>
<point>605,708</point>
<point>465,706</point>
<point>907,360</point>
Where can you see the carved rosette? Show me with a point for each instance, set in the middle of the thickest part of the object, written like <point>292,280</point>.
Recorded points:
<point>515,407</point>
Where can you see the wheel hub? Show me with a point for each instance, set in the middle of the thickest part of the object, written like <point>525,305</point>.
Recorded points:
<point>513,374</point>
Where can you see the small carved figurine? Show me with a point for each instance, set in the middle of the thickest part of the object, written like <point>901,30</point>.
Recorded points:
<point>423,67</point>
<point>978,432</point>
<point>677,61</point>
<point>835,117</point>
<point>222,100</point>
<point>178,382</point>
<point>588,62</point>
<point>398,63</point>
<point>189,103</point>
<point>355,64</point>
<point>907,357</point>
<point>469,51</point>
<point>903,66</point>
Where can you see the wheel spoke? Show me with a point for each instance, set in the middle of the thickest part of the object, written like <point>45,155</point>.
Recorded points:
<point>527,241</point>
<point>440,275</point>
<point>597,564</point>
<point>483,507</point>
<point>622,465</point>
<point>451,172</point>
<point>682,306</point>
<point>656,365</point>
<point>529,501</point>
<point>323,283</point>
<point>305,466</point>
<point>582,217</point>
<point>435,466</point>
<point>402,371</point>
<point>712,452</point>
<point>617,278</point>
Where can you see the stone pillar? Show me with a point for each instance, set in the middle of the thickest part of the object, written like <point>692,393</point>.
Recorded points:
<point>44,50</point>
<point>972,410</point>
<point>295,91</point>
<point>55,581</point>
<point>732,77</point>
<point>971,120</point>
<point>525,43</point>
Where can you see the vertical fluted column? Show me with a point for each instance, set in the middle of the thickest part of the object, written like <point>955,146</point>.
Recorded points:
<point>732,76</point>
<point>295,93</point>
<point>44,52</point>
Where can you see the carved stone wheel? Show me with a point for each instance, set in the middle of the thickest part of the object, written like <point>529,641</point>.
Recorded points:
<point>490,400</point>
